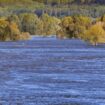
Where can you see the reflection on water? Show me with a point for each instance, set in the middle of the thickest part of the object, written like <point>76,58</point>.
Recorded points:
<point>49,71</point>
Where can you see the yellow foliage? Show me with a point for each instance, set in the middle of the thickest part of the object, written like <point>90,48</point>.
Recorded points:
<point>3,23</point>
<point>66,21</point>
<point>82,20</point>
<point>25,36</point>
<point>50,24</point>
<point>10,31</point>
<point>95,34</point>
<point>14,28</point>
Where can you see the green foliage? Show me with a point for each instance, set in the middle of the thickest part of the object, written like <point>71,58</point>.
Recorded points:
<point>15,19</point>
<point>71,1</point>
<point>51,24</point>
<point>58,7</point>
<point>31,23</point>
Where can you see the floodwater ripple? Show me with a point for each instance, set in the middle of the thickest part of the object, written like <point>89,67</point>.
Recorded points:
<point>49,71</point>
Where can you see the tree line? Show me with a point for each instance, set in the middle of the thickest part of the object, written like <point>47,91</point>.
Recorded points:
<point>57,2</point>
<point>58,8</point>
<point>20,27</point>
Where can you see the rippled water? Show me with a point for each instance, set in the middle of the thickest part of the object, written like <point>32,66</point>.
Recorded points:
<point>49,71</point>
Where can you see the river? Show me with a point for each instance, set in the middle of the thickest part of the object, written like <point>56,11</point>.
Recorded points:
<point>50,71</point>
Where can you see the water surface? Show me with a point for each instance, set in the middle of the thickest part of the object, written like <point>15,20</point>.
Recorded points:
<point>49,71</point>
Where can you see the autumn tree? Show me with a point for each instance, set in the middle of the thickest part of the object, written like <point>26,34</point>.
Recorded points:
<point>4,30</point>
<point>32,24</point>
<point>51,24</point>
<point>15,19</point>
<point>10,31</point>
<point>95,34</point>
<point>75,27</point>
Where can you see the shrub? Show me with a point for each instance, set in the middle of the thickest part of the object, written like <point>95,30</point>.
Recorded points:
<point>95,34</point>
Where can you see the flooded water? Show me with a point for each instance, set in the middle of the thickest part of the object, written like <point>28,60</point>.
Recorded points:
<point>49,71</point>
